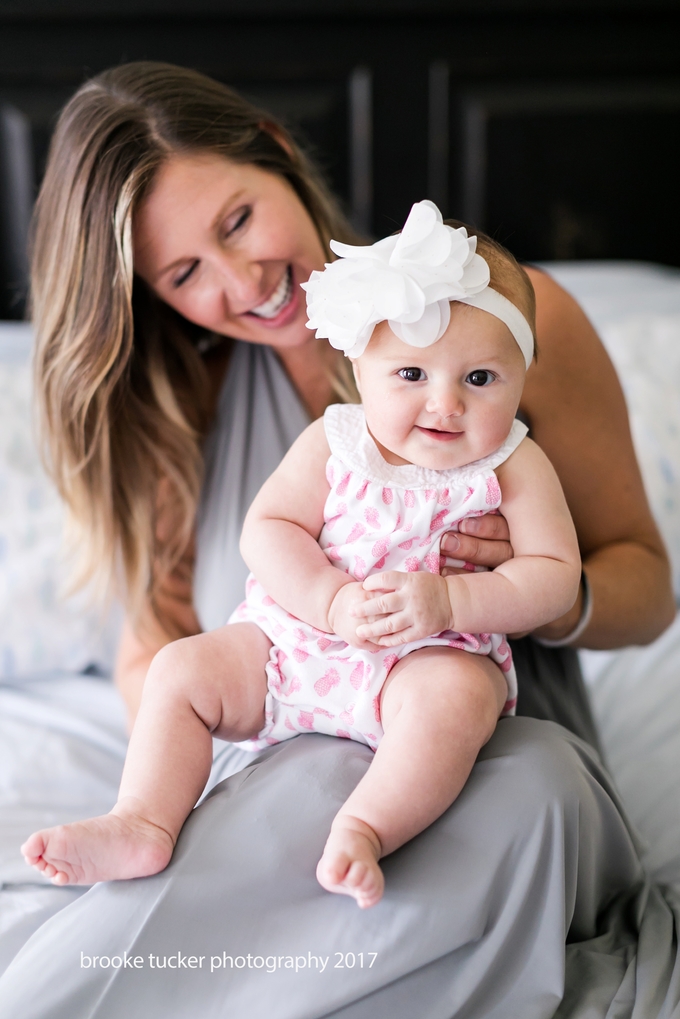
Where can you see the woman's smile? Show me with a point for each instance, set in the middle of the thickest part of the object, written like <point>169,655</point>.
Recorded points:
<point>281,306</point>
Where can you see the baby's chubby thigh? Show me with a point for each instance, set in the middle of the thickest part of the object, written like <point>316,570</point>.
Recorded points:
<point>436,693</point>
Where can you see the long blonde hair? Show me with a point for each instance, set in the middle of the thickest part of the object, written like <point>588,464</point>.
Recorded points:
<point>120,381</point>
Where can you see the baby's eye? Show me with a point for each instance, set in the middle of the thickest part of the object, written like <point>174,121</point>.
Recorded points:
<point>480,377</point>
<point>412,374</point>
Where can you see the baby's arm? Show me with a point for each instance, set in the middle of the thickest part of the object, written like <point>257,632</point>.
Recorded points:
<point>539,584</point>
<point>280,534</point>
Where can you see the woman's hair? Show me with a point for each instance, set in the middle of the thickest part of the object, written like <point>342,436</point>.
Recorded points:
<point>120,381</point>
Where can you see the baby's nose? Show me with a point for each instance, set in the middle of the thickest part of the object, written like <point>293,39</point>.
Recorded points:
<point>446,403</point>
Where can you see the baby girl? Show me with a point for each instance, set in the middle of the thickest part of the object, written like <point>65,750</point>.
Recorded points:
<point>357,634</point>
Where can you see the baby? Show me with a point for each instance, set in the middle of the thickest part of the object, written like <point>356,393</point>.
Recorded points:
<point>357,634</point>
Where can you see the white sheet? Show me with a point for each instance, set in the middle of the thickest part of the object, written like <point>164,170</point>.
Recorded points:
<point>62,746</point>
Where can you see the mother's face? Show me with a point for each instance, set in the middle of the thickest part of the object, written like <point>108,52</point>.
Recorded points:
<point>227,245</point>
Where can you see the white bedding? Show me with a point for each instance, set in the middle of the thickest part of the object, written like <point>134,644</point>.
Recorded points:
<point>62,737</point>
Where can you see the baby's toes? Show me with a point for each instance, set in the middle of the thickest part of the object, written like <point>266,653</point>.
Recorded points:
<point>357,875</point>
<point>366,883</point>
<point>333,868</point>
<point>33,848</point>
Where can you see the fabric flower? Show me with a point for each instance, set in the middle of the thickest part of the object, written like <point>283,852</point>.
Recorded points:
<point>406,280</point>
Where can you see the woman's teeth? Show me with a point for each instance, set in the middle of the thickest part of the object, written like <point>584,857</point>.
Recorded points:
<point>279,299</point>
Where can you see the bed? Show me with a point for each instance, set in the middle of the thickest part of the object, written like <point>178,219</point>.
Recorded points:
<point>62,732</point>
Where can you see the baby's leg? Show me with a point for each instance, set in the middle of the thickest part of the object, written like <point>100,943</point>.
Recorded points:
<point>439,707</point>
<point>212,684</point>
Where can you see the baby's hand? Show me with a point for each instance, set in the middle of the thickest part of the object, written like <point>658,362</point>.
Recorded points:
<point>408,606</point>
<point>342,618</point>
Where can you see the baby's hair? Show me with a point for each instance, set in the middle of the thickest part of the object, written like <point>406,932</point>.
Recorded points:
<point>507,275</point>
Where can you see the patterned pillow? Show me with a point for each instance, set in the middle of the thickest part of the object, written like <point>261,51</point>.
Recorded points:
<point>39,630</point>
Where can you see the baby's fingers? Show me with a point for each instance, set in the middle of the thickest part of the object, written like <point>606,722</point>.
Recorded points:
<point>384,604</point>
<point>393,626</point>
<point>392,580</point>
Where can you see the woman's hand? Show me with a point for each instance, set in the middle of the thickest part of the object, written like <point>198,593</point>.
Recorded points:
<point>481,541</point>
<point>408,607</point>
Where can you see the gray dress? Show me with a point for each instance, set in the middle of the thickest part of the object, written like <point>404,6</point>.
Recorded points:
<point>535,854</point>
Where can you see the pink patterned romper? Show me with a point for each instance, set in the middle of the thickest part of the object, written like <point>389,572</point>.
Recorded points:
<point>377,517</point>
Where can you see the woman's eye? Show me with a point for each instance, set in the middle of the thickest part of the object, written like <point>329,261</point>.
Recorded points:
<point>412,374</point>
<point>237,220</point>
<point>480,377</point>
<point>184,276</point>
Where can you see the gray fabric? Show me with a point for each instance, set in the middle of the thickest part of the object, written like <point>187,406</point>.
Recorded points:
<point>473,923</point>
<point>259,416</point>
<point>535,852</point>
<point>550,686</point>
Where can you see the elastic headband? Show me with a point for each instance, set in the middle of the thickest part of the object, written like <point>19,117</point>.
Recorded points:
<point>407,280</point>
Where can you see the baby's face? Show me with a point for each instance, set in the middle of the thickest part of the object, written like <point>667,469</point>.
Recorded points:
<point>445,405</point>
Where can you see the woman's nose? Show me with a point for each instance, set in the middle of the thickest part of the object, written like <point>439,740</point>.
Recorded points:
<point>241,281</point>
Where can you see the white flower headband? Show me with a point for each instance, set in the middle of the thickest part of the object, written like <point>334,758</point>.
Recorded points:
<point>407,280</point>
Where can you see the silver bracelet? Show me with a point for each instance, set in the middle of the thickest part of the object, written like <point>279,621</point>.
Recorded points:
<point>585,617</point>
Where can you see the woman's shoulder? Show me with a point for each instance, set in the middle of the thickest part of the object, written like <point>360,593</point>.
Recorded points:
<point>564,332</point>
<point>572,376</point>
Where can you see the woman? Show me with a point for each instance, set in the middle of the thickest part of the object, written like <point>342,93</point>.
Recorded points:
<point>173,215</point>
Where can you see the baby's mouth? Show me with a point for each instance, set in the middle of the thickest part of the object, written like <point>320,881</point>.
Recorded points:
<point>278,300</point>
<point>439,434</point>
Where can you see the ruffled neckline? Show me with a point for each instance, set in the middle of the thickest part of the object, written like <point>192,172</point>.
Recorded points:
<point>350,440</point>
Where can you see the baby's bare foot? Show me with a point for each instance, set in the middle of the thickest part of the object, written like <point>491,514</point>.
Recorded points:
<point>107,848</point>
<point>349,865</point>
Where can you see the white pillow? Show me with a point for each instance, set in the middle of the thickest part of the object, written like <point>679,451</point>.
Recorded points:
<point>39,630</point>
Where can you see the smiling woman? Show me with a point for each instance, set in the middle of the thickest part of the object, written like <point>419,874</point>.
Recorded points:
<point>241,244</point>
<point>222,216</point>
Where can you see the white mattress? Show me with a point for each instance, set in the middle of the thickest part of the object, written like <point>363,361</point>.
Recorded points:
<point>62,736</point>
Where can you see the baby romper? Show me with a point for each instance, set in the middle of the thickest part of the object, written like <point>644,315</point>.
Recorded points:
<point>377,517</point>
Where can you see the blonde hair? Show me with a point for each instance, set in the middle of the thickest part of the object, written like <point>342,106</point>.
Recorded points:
<point>120,381</point>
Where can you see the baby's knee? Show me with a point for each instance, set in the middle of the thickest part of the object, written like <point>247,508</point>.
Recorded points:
<point>453,687</point>
<point>177,667</point>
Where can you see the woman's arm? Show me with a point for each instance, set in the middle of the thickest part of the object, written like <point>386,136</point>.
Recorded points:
<point>578,417</point>
<point>141,641</point>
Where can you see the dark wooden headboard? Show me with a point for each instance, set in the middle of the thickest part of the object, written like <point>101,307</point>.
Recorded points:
<point>553,124</point>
